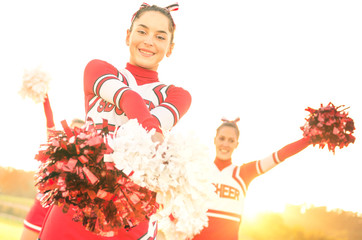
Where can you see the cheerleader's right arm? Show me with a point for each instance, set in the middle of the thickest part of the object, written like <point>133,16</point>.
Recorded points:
<point>48,113</point>
<point>48,116</point>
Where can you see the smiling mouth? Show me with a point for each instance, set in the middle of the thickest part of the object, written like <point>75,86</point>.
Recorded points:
<point>146,53</point>
<point>223,151</point>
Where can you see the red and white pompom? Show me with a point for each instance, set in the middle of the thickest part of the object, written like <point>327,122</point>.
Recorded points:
<point>74,175</point>
<point>113,183</point>
<point>35,84</point>
<point>329,126</point>
<point>178,170</point>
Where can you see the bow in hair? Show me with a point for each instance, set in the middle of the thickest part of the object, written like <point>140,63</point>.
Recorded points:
<point>143,5</point>
<point>231,121</point>
<point>170,8</point>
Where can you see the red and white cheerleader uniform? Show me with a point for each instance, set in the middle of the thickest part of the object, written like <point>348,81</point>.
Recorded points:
<point>231,183</point>
<point>119,95</point>
<point>35,217</point>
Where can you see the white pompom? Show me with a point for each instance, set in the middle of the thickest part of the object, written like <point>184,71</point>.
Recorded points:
<point>35,85</point>
<point>179,170</point>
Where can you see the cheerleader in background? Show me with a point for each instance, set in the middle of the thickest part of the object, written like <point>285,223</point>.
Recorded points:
<point>135,92</point>
<point>35,217</point>
<point>231,181</point>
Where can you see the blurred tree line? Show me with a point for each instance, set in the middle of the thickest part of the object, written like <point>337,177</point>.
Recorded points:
<point>17,182</point>
<point>298,223</point>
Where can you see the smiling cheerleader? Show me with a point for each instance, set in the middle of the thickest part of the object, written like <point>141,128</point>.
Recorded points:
<point>327,125</point>
<point>134,92</point>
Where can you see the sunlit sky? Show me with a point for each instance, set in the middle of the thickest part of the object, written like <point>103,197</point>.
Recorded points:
<point>264,61</point>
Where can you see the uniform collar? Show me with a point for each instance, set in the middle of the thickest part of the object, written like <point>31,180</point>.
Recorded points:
<point>142,75</point>
<point>221,164</point>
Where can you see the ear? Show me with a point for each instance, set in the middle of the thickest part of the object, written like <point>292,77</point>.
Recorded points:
<point>170,49</point>
<point>128,37</point>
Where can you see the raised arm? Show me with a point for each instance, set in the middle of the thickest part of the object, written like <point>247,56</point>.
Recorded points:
<point>104,80</point>
<point>48,113</point>
<point>247,172</point>
<point>48,116</point>
<point>287,151</point>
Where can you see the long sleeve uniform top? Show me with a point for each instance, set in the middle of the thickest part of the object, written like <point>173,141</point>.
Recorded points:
<point>133,92</point>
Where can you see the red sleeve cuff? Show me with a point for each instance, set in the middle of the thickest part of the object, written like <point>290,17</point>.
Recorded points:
<point>151,123</point>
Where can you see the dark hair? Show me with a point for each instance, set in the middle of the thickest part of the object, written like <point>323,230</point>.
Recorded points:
<point>77,121</point>
<point>164,11</point>
<point>228,123</point>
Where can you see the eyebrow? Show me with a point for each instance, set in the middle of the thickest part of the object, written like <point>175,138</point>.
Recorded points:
<point>144,26</point>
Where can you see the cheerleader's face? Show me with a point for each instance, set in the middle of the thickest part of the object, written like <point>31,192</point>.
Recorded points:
<point>149,40</point>
<point>226,142</point>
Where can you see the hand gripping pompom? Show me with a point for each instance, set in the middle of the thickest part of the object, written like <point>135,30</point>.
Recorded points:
<point>178,170</point>
<point>329,126</point>
<point>35,85</point>
<point>73,174</point>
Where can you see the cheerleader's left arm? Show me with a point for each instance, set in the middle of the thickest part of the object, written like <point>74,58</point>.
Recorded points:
<point>175,105</point>
<point>287,151</point>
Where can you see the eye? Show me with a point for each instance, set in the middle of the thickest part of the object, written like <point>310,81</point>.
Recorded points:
<point>160,37</point>
<point>142,32</point>
<point>221,138</point>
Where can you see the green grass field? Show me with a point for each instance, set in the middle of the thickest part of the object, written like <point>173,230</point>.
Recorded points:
<point>10,229</point>
<point>11,220</point>
<point>17,200</point>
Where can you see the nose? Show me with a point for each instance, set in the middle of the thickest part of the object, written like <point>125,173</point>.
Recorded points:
<point>224,144</point>
<point>148,40</point>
